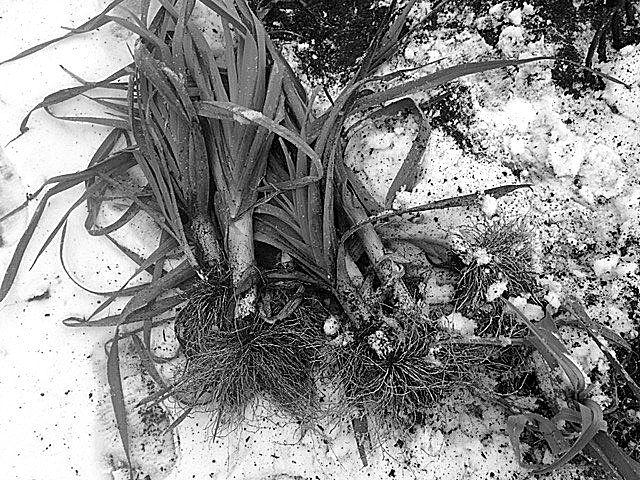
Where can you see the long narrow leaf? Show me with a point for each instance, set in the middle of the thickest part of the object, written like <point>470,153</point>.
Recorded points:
<point>407,176</point>
<point>92,24</point>
<point>591,423</point>
<point>608,453</point>
<point>460,201</point>
<point>516,425</point>
<point>140,315</point>
<point>593,329</point>
<point>174,278</point>
<point>155,256</point>
<point>228,110</point>
<point>440,77</point>
<point>117,398</point>
<point>69,93</point>
<point>123,292</point>
<point>128,215</point>
<point>115,122</point>
<point>551,347</point>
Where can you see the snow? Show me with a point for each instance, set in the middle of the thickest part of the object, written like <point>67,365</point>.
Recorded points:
<point>529,310</point>
<point>434,294</point>
<point>625,69</point>
<point>489,206</point>
<point>482,257</point>
<point>331,326</point>
<point>381,141</point>
<point>511,41</point>
<point>515,16</point>
<point>554,295</point>
<point>618,320</point>
<point>495,290</point>
<point>57,420</point>
<point>527,9</point>
<point>626,268</point>
<point>458,323</point>
<point>496,10</point>
<point>566,155</point>
<point>603,266</point>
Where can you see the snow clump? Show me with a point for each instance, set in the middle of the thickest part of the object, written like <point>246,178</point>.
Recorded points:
<point>495,290</point>
<point>458,323</point>
<point>331,326</point>
<point>532,312</point>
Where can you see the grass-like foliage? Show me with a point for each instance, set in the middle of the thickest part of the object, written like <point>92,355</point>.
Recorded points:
<point>396,377</point>
<point>494,251</point>
<point>577,428</point>
<point>233,156</point>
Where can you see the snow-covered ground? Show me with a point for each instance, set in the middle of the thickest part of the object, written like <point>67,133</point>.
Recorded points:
<point>56,420</point>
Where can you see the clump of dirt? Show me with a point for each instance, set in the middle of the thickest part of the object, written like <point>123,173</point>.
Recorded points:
<point>328,36</point>
<point>562,21</point>
<point>565,74</point>
<point>613,24</point>
<point>624,417</point>
<point>453,112</point>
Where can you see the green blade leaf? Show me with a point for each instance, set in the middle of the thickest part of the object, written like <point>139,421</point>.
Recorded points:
<point>240,114</point>
<point>591,424</point>
<point>174,278</point>
<point>407,176</point>
<point>90,25</point>
<point>117,398</point>
<point>441,77</point>
<point>609,454</point>
<point>152,291</point>
<point>115,122</point>
<point>148,312</point>
<point>593,329</point>
<point>64,182</point>
<point>545,339</point>
<point>553,436</point>
<point>361,433</point>
<point>69,93</point>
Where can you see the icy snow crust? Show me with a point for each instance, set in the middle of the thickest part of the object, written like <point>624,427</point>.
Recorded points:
<point>56,419</point>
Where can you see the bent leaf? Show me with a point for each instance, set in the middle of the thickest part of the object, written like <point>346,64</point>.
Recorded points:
<point>228,110</point>
<point>117,398</point>
<point>407,176</point>
<point>72,92</point>
<point>440,77</point>
<point>91,24</point>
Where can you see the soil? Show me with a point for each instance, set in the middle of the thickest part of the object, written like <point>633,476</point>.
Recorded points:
<point>328,36</point>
